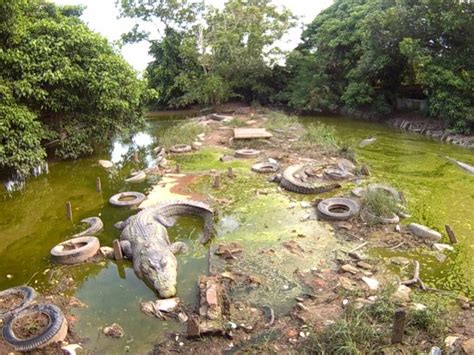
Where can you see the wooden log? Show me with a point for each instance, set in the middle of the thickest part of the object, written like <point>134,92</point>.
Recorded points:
<point>451,235</point>
<point>217,181</point>
<point>135,156</point>
<point>117,250</point>
<point>398,326</point>
<point>230,173</point>
<point>98,185</point>
<point>69,211</point>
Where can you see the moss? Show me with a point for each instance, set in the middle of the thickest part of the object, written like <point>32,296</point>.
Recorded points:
<point>207,159</point>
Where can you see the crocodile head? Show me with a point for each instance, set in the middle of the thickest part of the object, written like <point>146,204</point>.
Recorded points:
<point>160,271</point>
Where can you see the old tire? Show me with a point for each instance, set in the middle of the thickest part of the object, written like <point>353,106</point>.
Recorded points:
<point>135,199</point>
<point>336,174</point>
<point>138,176</point>
<point>374,219</point>
<point>266,167</point>
<point>247,153</point>
<point>424,232</point>
<point>55,331</point>
<point>27,293</point>
<point>181,148</point>
<point>338,209</point>
<point>75,250</point>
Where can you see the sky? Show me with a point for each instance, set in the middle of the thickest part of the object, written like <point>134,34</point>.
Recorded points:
<point>102,16</point>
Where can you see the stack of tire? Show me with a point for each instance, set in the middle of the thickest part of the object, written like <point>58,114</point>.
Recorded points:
<point>55,331</point>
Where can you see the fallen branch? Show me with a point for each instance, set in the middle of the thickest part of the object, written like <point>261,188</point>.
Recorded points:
<point>358,247</point>
<point>416,278</point>
<point>397,246</point>
<point>272,318</point>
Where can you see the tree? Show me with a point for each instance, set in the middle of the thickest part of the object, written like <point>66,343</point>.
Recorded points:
<point>61,82</point>
<point>209,55</point>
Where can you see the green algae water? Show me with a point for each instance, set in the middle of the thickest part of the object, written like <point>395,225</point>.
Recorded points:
<point>32,221</point>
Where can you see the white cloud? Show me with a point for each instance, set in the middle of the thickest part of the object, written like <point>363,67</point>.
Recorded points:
<point>102,16</point>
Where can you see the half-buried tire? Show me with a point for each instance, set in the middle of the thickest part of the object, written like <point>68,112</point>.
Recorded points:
<point>27,295</point>
<point>181,148</point>
<point>266,167</point>
<point>338,209</point>
<point>75,250</point>
<point>247,153</point>
<point>129,198</point>
<point>54,331</point>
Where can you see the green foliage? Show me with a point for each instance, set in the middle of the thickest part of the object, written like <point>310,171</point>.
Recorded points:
<point>353,333</point>
<point>280,121</point>
<point>380,203</point>
<point>232,55</point>
<point>319,135</point>
<point>365,53</point>
<point>180,134</point>
<point>70,79</point>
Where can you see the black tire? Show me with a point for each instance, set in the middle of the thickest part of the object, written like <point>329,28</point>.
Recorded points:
<point>137,199</point>
<point>338,209</point>
<point>27,293</point>
<point>181,148</point>
<point>55,331</point>
<point>83,248</point>
<point>266,167</point>
<point>247,153</point>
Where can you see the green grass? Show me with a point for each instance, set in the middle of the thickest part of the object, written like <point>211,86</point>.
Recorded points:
<point>235,122</point>
<point>319,136</point>
<point>280,121</point>
<point>180,134</point>
<point>380,203</point>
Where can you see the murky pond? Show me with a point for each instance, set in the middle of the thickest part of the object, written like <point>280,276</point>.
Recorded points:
<point>34,220</point>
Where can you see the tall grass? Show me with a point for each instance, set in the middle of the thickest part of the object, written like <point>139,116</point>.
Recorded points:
<point>380,203</point>
<point>319,136</point>
<point>280,121</point>
<point>180,134</point>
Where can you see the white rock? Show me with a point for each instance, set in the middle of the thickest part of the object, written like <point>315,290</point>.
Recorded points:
<point>435,351</point>
<point>9,276</point>
<point>402,294</point>
<point>418,307</point>
<point>107,252</point>
<point>424,232</point>
<point>345,302</point>
<point>450,340</point>
<point>273,161</point>
<point>305,204</point>
<point>71,348</point>
<point>196,145</point>
<point>371,282</point>
<point>167,305</point>
<point>106,164</point>
<point>442,247</point>
<point>291,205</point>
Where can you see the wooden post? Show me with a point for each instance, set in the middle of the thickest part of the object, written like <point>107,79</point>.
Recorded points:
<point>451,235</point>
<point>217,181</point>
<point>178,169</point>
<point>117,250</point>
<point>230,173</point>
<point>98,185</point>
<point>69,211</point>
<point>135,156</point>
<point>398,325</point>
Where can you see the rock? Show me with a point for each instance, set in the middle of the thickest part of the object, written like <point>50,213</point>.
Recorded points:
<point>468,346</point>
<point>349,268</point>
<point>71,349</point>
<point>114,331</point>
<point>402,294</point>
<point>201,136</point>
<point>193,328</point>
<point>106,164</point>
<point>450,341</point>
<point>358,191</point>
<point>364,265</point>
<point>440,257</point>
<point>424,232</point>
<point>226,158</point>
<point>435,351</point>
<point>196,145</point>
<point>107,252</point>
<point>398,228</point>
<point>305,204</point>
<point>347,284</point>
<point>371,282</point>
<point>9,276</point>
<point>154,308</point>
<point>400,261</point>
<point>292,205</point>
<point>442,247</point>
<point>182,317</point>
<point>418,307</point>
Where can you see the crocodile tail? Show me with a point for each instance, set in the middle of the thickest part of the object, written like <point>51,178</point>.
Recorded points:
<point>166,214</point>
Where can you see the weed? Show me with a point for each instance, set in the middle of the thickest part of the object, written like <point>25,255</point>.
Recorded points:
<point>235,122</point>
<point>319,135</point>
<point>180,134</point>
<point>380,203</point>
<point>280,121</point>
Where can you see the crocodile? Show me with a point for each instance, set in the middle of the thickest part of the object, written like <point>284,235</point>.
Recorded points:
<point>291,183</point>
<point>95,226</point>
<point>144,240</point>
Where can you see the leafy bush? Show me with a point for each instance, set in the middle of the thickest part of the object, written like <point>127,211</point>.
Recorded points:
<point>380,203</point>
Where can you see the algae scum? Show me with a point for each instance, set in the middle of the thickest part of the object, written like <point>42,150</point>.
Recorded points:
<point>33,220</point>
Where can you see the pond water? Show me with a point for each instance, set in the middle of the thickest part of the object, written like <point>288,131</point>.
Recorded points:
<point>34,220</point>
